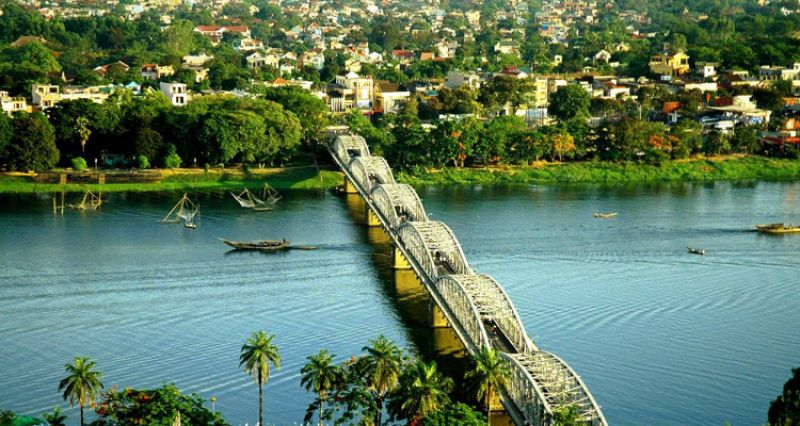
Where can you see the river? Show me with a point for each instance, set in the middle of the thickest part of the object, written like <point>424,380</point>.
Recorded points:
<point>660,336</point>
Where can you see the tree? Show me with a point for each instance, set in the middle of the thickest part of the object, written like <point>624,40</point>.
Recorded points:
<point>79,164</point>
<point>746,140</point>
<point>6,132</point>
<point>567,415</point>
<point>455,414</point>
<point>496,140</point>
<point>7,417</point>
<point>56,418</point>
<point>785,409</point>
<point>83,131</point>
<point>319,375</point>
<point>569,102</point>
<point>421,390</point>
<point>489,373</point>
<point>33,145</point>
<point>81,384</point>
<point>172,159</point>
<point>381,370</point>
<point>256,355</point>
<point>310,110</point>
<point>154,407</point>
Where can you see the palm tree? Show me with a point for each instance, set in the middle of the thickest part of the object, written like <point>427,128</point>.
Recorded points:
<point>81,384</point>
<point>490,373</point>
<point>421,390</point>
<point>319,375</point>
<point>256,355</point>
<point>56,418</point>
<point>381,368</point>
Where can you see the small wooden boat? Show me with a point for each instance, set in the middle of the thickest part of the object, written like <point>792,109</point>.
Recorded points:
<point>701,252</point>
<point>264,245</point>
<point>604,215</point>
<point>778,228</point>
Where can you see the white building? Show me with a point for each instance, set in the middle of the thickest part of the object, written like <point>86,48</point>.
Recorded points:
<point>11,104</point>
<point>176,92</point>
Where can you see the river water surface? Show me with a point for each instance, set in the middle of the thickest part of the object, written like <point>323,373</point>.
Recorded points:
<point>660,336</point>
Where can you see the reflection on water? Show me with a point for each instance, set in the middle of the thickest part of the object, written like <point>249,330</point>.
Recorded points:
<point>660,336</point>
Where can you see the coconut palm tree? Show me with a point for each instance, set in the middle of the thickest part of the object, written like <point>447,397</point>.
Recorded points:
<point>81,384</point>
<point>381,368</point>
<point>490,373</point>
<point>256,355</point>
<point>421,390</point>
<point>319,375</point>
<point>56,418</point>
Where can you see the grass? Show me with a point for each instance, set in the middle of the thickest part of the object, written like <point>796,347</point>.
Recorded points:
<point>706,169</point>
<point>304,177</point>
<point>737,167</point>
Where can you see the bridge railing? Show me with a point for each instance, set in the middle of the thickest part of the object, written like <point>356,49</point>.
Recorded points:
<point>462,305</point>
<point>346,147</point>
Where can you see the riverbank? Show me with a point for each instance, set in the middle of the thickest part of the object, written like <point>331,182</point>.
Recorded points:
<point>301,177</point>
<point>709,169</point>
<point>309,177</point>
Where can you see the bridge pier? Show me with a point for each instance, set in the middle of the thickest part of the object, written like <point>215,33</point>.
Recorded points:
<point>348,186</point>
<point>370,217</point>
<point>438,320</point>
<point>398,260</point>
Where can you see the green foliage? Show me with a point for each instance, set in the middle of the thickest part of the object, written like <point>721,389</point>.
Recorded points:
<point>79,164</point>
<point>157,407</point>
<point>7,417</point>
<point>489,373</point>
<point>56,418</point>
<point>421,391</point>
<point>568,102</point>
<point>455,414</point>
<point>33,145</point>
<point>310,110</point>
<point>143,162</point>
<point>172,160</point>
<point>567,415</point>
<point>785,409</point>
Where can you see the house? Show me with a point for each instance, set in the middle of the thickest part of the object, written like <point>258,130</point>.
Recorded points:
<point>602,57</point>
<point>176,92</point>
<point>103,70</point>
<point>156,72</point>
<point>506,47</point>
<point>773,73</point>
<point>352,65</point>
<point>313,59</point>
<point>669,64</point>
<point>705,70</point>
<point>351,91</point>
<point>197,60</point>
<point>45,96</point>
<point>258,60</point>
<point>248,44</point>
<point>426,56</point>
<point>403,57</point>
<point>512,72</point>
<point>12,104</point>
<point>612,90</point>
<point>215,32</point>
<point>286,69</point>
<point>456,79</point>
<point>389,97</point>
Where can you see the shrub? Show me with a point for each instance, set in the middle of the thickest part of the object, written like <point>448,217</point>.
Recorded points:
<point>79,164</point>
<point>172,160</point>
<point>206,167</point>
<point>144,163</point>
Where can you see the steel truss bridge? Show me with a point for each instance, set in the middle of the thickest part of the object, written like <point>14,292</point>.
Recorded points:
<point>474,305</point>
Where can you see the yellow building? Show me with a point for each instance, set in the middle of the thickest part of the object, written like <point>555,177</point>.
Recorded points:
<point>670,64</point>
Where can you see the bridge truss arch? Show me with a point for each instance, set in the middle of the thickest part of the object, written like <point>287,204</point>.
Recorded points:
<point>398,203</point>
<point>460,302</point>
<point>495,307</point>
<point>371,171</point>
<point>347,147</point>
<point>542,382</point>
<point>435,248</point>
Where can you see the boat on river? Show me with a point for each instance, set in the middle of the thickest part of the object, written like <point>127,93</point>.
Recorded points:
<point>604,215</point>
<point>778,228</point>
<point>263,245</point>
<point>701,252</point>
